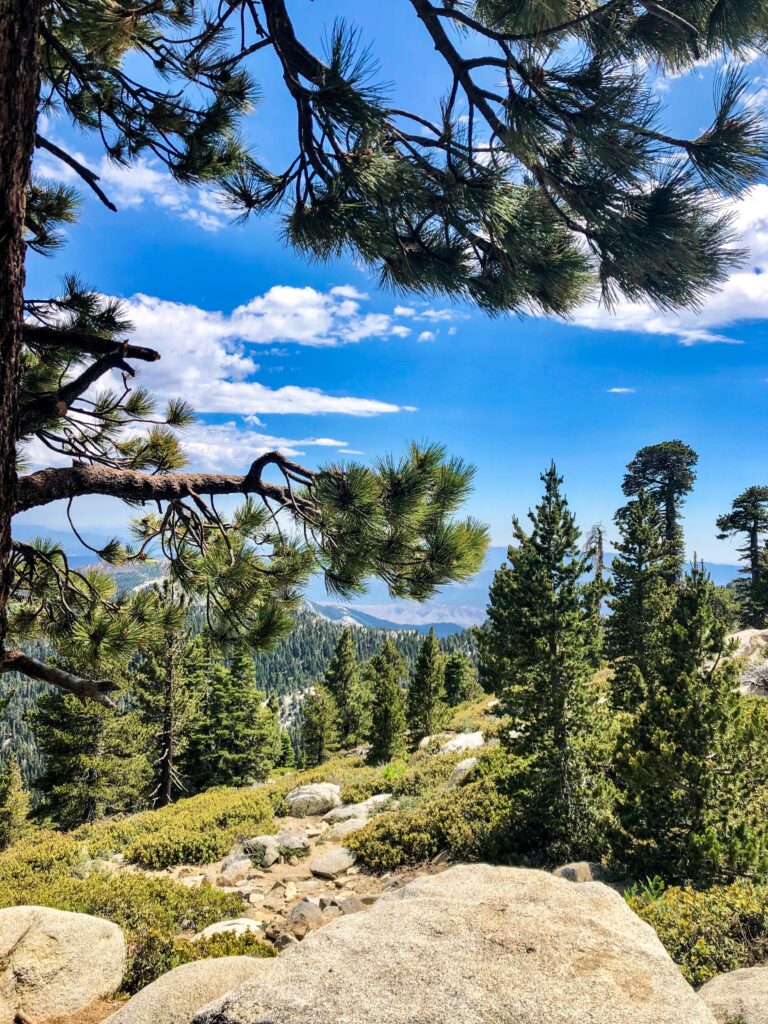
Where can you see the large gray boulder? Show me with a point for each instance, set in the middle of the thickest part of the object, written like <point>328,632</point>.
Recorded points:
<point>474,945</point>
<point>53,962</point>
<point>177,996</point>
<point>464,741</point>
<point>738,996</point>
<point>362,810</point>
<point>314,798</point>
<point>332,864</point>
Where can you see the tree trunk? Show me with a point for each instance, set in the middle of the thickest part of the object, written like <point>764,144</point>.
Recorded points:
<point>165,787</point>
<point>19,86</point>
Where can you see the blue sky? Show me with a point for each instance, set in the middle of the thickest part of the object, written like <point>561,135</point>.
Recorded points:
<point>274,351</point>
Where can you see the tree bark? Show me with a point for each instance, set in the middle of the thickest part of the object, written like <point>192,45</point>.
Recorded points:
<point>19,88</point>
<point>165,788</point>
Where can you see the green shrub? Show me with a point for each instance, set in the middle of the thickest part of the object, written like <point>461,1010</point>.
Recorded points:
<point>426,774</point>
<point>198,830</point>
<point>469,822</point>
<point>709,932</point>
<point>223,944</point>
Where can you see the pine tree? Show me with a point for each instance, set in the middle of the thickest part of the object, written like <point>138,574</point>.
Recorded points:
<point>641,601</point>
<point>388,674</point>
<point>426,710</point>
<point>460,680</point>
<point>683,761</point>
<point>749,516</point>
<point>594,549</point>
<point>536,653</point>
<point>95,759</point>
<point>342,680</point>
<point>320,728</point>
<point>287,756</point>
<point>231,739</point>
<point>666,472</point>
<point>15,804</point>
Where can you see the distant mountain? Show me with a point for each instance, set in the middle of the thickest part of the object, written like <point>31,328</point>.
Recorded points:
<point>348,615</point>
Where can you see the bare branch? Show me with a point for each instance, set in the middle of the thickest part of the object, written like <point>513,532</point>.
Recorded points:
<point>37,336</point>
<point>89,177</point>
<point>85,689</point>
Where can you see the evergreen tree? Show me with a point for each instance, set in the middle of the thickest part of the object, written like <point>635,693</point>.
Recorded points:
<point>683,761</point>
<point>165,699</point>
<point>320,728</point>
<point>537,650</point>
<point>15,804</point>
<point>287,757</point>
<point>666,472</point>
<point>342,680</point>
<point>460,680</point>
<point>641,601</point>
<point>95,759</point>
<point>388,673</point>
<point>749,516</point>
<point>231,738</point>
<point>594,549</point>
<point>426,710</point>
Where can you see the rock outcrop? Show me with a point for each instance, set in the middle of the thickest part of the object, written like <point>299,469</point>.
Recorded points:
<point>53,962</point>
<point>314,798</point>
<point>473,945</point>
<point>178,995</point>
<point>738,996</point>
<point>582,871</point>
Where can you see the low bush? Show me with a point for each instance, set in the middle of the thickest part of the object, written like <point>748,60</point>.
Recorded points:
<point>198,830</point>
<point>469,822</point>
<point>708,932</point>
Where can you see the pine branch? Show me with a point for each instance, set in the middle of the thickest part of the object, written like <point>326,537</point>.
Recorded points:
<point>48,485</point>
<point>91,689</point>
<point>83,341</point>
<point>89,177</point>
<point>56,404</point>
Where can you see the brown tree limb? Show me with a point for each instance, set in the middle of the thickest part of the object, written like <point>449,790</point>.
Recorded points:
<point>90,689</point>
<point>48,485</point>
<point>89,177</point>
<point>48,407</point>
<point>40,336</point>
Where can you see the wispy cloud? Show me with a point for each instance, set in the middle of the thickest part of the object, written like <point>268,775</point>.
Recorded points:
<point>621,391</point>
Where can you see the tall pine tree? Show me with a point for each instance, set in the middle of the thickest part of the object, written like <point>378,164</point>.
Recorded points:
<point>684,763</point>
<point>388,674</point>
<point>320,728</point>
<point>749,517</point>
<point>460,680</point>
<point>426,711</point>
<point>342,680</point>
<point>15,804</point>
<point>536,651</point>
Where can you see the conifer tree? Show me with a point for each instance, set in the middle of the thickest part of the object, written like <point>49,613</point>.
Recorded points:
<point>460,680</point>
<point>15,804</point>
<point>342,680</point>
<point>666,472</point>
<point>536,652</point>
<point>683,762</point>
<point>320,728</point>
<point>749,517</point>
<point>231,739</point>
<point>426,710</point>
<point>287,756</point>
<point>95,759</point>
<point>641,601</point>
<point>388,674</point>
<point>594,548</point>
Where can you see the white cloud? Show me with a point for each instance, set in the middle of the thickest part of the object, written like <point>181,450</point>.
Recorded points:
<point>205,356</point>
<point>427,336</point>
<point>226,447</point>
<point>405,311</point>
<point>621,391</point>
<point>743,297</point>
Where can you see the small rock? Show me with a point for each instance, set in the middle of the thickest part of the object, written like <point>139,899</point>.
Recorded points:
<point>237,871</point>
<point>263,850</point>
<point>192,881</point>
<point>361,810</point>
<point>237,926</point>
<point>313,799</point>
<point>343,828</point>
<point>284,940</point>
<point>738,996</point>
<point>291,842</point>
<point>582,871</point>
<point>290,892</point>
<point>462,769</point>
<point>352,905</point>
<point>442,858</point>
<point>332,864</point>
<point>464,741</point>
<point>427,740</point>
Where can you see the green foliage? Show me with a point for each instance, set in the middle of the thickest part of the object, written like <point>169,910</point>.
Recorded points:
<point>15,804</point>
<point>666,472</point>
<point>710,932</point>
<point>637,630</point>
<point>198,830</point>
<point>426,711</point>
<point>387,674</point>
<point>537,646</point>
<point>95,759</point>
<point>343,682</point>
<point>461,683</point>
<point>320,729</point>
<point>749,516</point>
<point>51,871</point>
<point>470,823</point>
<point>691,760</point>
